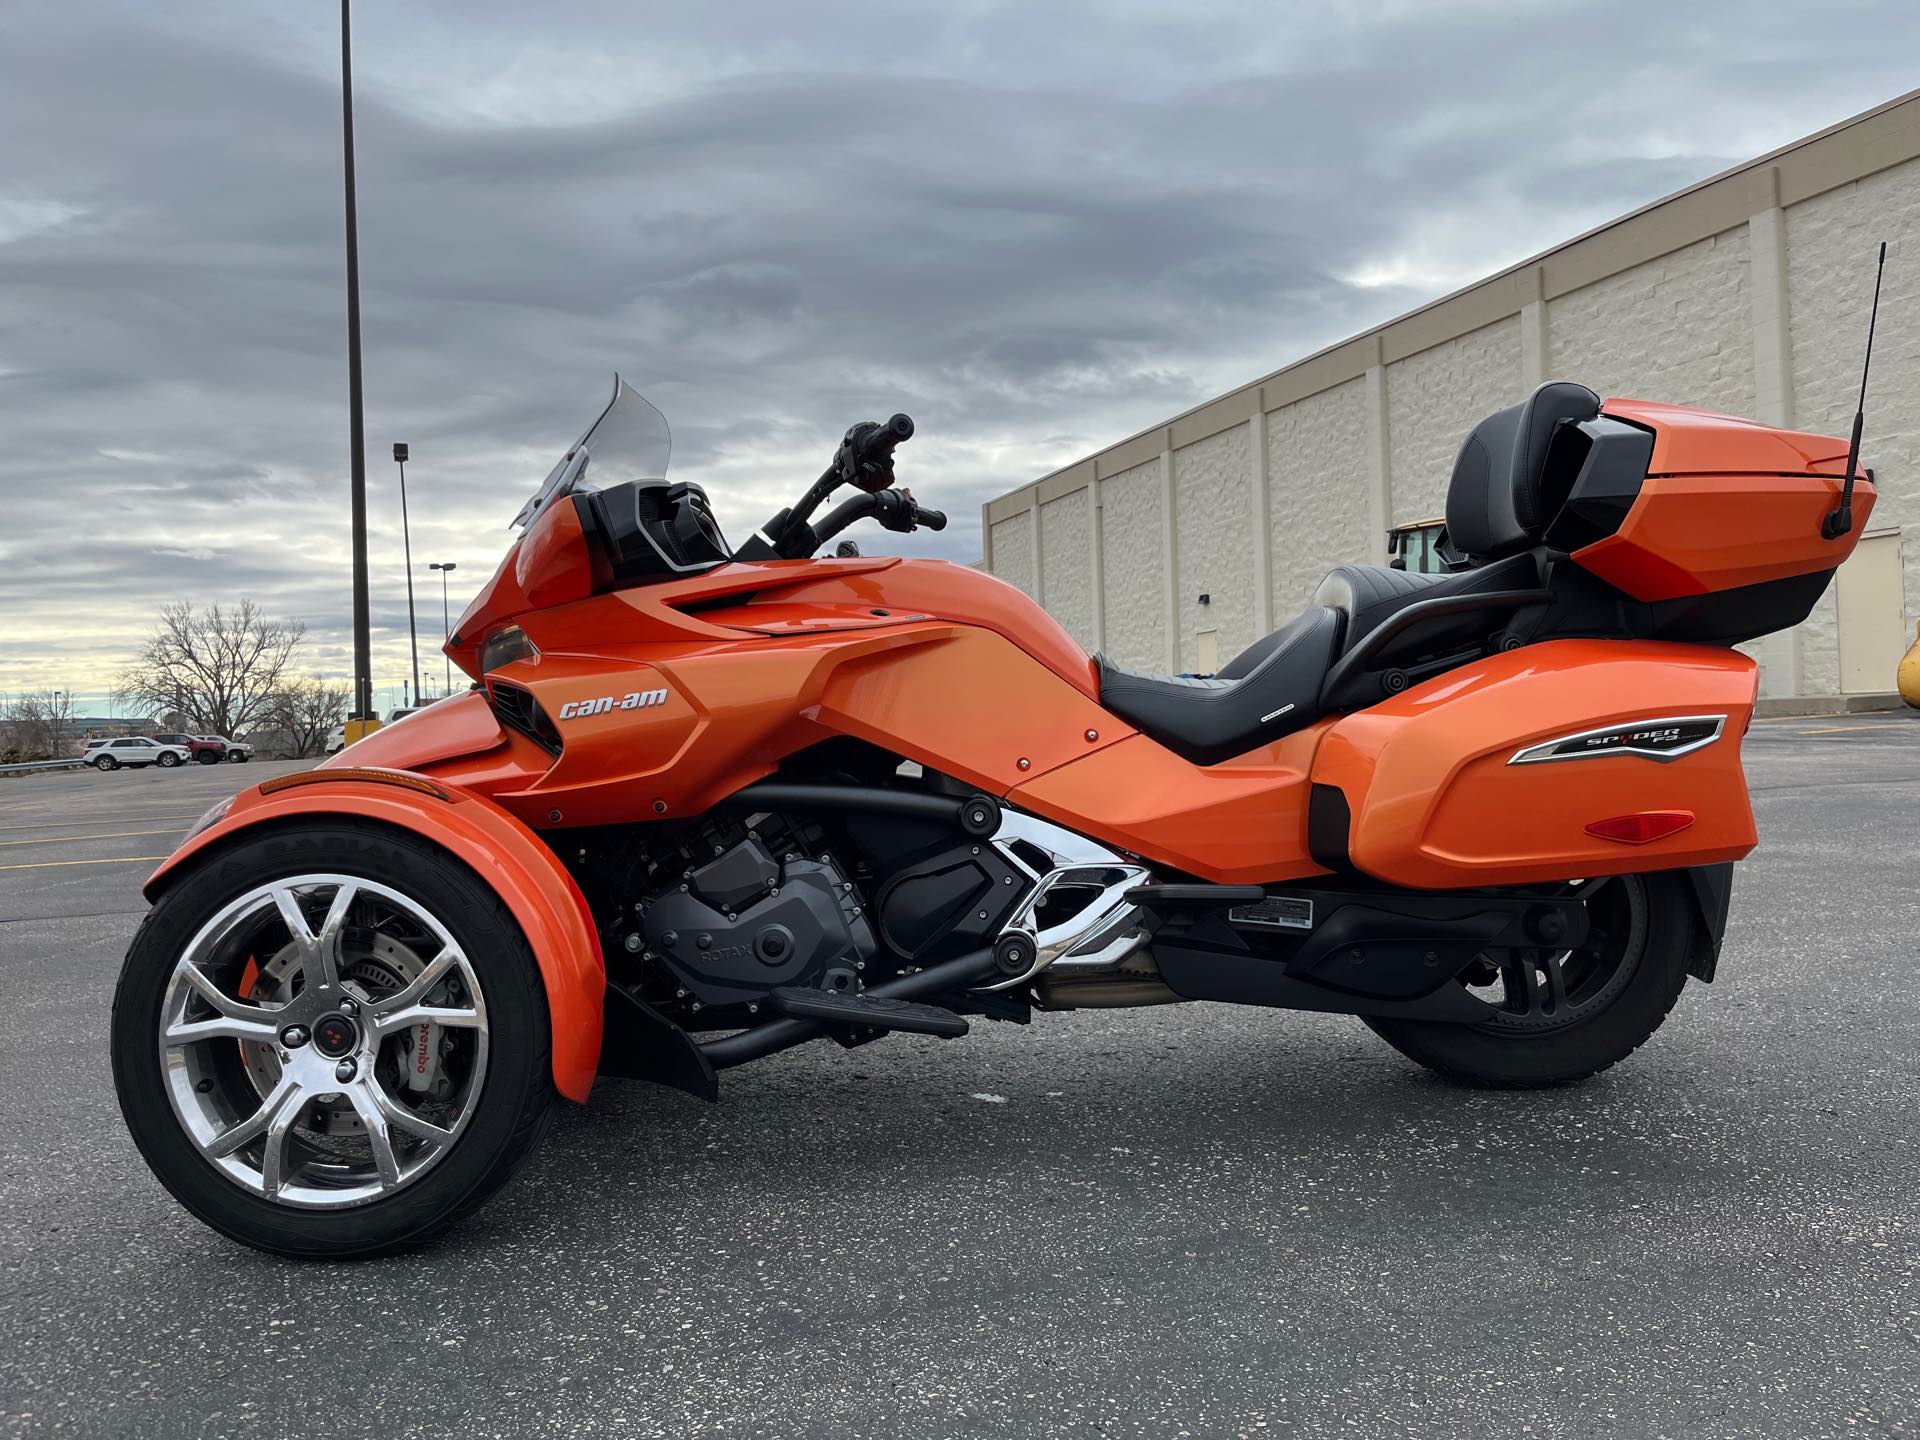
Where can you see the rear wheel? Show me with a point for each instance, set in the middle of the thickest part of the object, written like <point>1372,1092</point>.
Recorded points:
<point>1554,1017</point>
<point>106,762</point>
<point>332,1041</point>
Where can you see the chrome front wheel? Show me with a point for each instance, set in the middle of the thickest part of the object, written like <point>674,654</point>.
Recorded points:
<point>341,1066</point>
<point>319,1062</point>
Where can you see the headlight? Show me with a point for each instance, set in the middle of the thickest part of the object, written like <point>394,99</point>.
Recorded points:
<point>505,646</point>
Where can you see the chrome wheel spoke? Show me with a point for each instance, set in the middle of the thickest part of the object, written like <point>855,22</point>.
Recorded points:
<point>401,1118</point>
<point>327,943</point>
<point>389,1021</point>
<point>319,951</point>
<point>374,1116</point>
<point>286,1096</point>
<point>232,1018</point>
<point>273,1159</point>
<point>422,985</point>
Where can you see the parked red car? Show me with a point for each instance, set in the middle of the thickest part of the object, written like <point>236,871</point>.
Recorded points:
<point>207,752</point>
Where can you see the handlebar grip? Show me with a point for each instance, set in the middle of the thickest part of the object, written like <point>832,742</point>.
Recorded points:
<point>929,519</point>
<point>880,438</point>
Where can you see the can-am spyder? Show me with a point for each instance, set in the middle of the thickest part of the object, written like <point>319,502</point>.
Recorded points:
<point>705,804</point>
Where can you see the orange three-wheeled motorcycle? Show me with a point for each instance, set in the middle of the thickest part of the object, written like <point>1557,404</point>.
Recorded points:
<point>704,804</point>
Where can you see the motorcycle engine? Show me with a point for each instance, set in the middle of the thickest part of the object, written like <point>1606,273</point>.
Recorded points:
<point>745,921</point>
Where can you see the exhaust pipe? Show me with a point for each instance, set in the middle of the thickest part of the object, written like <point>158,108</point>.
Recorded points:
<point>1127,979</point>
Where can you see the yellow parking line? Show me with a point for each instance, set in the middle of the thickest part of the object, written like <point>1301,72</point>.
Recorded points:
<point>1846,729</point>
<point>56,864</point>
<point>104,835</point>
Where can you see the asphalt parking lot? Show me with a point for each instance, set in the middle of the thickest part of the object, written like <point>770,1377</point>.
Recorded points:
<point>1193,1220</point>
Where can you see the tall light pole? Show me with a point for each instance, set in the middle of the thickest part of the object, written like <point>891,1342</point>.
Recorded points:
<point>406,539</point>
<point>446,625</point>
<point>356,430</point>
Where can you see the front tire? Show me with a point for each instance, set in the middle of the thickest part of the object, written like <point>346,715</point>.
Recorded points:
<point>168,760</point>
<point>207,757</point>
<point>1553,1020</point>
<point>325,1077</point>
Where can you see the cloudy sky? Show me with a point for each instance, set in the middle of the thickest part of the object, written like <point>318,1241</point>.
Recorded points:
<point>1035,227</point>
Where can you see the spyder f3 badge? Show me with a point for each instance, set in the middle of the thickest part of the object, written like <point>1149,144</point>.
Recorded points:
<point>632,700</point>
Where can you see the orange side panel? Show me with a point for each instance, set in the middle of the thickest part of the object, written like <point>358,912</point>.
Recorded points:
<point>1436,805</point>
<point>1692,534</point>
<point>461,726</point>
<point>1238,823</point>
<point>508,858</point>
<point>968,597</point>
<point>708,718</point>
<point>971,705</point>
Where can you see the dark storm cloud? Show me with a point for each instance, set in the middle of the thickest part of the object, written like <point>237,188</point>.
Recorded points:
<point>1035,228</point>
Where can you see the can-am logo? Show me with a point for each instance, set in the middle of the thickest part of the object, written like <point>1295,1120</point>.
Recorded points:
<point>632,700</point>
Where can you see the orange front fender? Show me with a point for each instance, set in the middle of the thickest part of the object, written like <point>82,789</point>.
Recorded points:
<point>505,854</point>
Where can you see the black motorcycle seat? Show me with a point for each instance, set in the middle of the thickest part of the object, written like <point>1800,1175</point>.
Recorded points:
<point>1269,690</point>
<point>1366,595</point>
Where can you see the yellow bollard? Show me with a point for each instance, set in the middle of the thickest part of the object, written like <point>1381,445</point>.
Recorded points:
<point>1908,679</point>
<point>356,729</point>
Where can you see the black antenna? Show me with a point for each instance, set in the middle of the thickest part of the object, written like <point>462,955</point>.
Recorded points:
<point>1840,521</point>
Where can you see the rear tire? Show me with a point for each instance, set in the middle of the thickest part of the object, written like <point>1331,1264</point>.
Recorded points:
<point>510,1082</point>
<point>1504,1054</point>
<point>106,762</point>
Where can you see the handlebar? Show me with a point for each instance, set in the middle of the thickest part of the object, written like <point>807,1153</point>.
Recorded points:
<point>896,510</point>
<point>866,452</point>
<point>864,460</point>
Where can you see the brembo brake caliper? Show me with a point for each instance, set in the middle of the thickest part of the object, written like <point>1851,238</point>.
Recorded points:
<point>423,1056</point>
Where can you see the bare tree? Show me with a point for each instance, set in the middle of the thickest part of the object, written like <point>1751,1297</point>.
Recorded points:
<point>306,710</point>
<point>38,725</point>
<point>220,667</point>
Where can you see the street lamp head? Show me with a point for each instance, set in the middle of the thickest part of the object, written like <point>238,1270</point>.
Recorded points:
<point>400,451</point>
<point>450,565</point>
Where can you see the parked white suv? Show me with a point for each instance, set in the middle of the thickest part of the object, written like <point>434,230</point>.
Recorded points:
<point>111,754</point>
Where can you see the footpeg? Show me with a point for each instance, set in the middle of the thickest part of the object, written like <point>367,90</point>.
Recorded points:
<point>867,1012</point>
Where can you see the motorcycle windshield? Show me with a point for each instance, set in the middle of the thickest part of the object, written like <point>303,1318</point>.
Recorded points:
<point>629,441</point>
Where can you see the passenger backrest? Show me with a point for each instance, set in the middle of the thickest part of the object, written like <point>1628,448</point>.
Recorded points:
<point>1494,503</point>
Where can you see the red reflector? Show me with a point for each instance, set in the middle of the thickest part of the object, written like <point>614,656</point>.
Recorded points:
<point>1639,829</point>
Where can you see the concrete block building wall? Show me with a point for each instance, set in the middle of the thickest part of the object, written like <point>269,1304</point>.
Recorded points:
<point>1133,579</point>
<point>1316,466</point>
<point>1213,516</point>
<point>1746,294</point>
<point>1829,241</point>
<point>1427,393</point>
